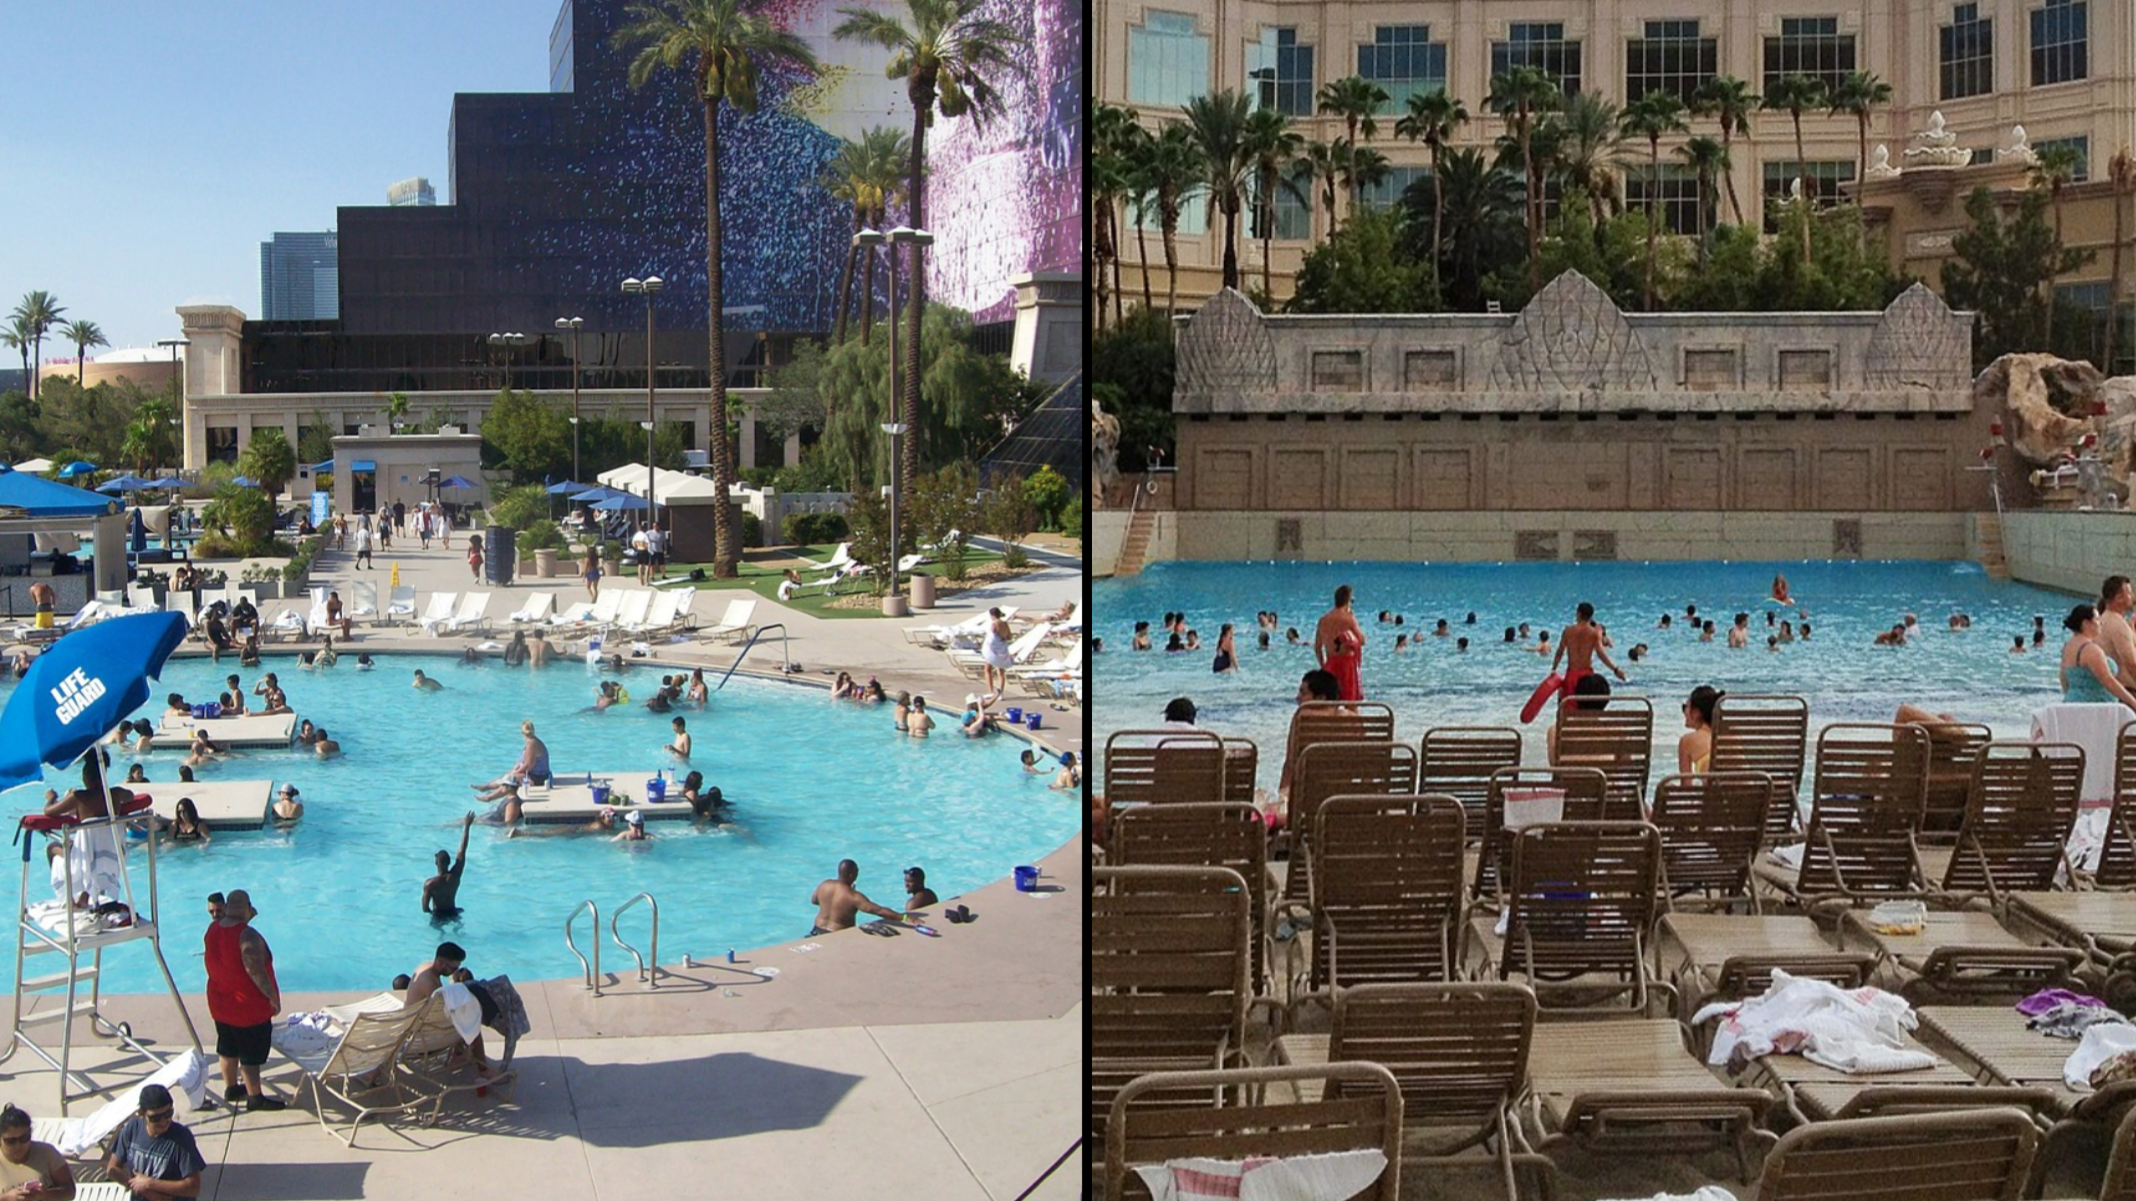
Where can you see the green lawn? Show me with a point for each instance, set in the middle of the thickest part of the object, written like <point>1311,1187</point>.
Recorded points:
<point>762,570</point>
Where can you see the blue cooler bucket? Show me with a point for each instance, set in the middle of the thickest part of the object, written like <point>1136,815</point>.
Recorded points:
<point>655,790</point>
<point>1030,721</point>
<point>1026,879</point>
<point>1015,716</point>
<point>600,794</point>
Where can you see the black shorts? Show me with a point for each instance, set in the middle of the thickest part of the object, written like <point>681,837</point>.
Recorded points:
<point>660,558</point>
<point>246,1044</point>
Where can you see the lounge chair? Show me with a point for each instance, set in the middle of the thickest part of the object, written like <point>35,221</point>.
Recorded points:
<point>1022,650</point>
<point>1385,890</point>
<point>1580,794</point>
<point>1994,1042</point>
<point>1458,1051</point>
<point>1579,903</point>
<point>282,622</point>
<point>1815,1093</point>
<point>1952,748</point>
<point>1359,1109</point>
<point>1203,834</point>
<point>1619,740</point>
<point>1709,957</point>
<point>630,611</point>
<point>1968,955</point>
<point>1332,769</point>
<point>315,622</point>
<point>1986,1154</point>
<point>363,1061</point>
<point>1865,808</point>
<point>473,615</point>
<point>1164,766</point>
<point>400,606</point>
<point>363,600</point>
<point>591,617</point>
<point>437,1049</point>
<point>686,610</point>
<point>1633,1086</point>
<point>941,636</point>
<point>1070,659</point>
<point>2020,808</point>
<point>2117,853</point>
<point>1711,827</point>
<point>439,612</point>
<point>733,624</point>
<point>536,611</point>
<point>1769,734</point>
<point>659,612</point>
<point>1458,761</point>
<point>2100,924</point>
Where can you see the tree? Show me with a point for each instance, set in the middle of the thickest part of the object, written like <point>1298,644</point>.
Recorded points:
<point>1132,367</point>
<point>35,317</point>
<point>969,399</point>
<point>315,439</point>
<point>944,509</point>
<point>1655,115</point>
<point>1999,267</point>
<point>1047,490</point>
<point>1271,143</point>
<point>1361,270</point>
<point>2121,173</point>
<point>1586,134</point>
<point>1172,165</point>
<point>1707,158</point>
<point>1484,205</point>
<point>1008,513</point>
<point>867,175</point>
<point>1434,118</point>
<point>151,440</point>
<point>245,516</point>
<point>1518,96</point>
<point>949,59</point>
<point>16,337</point>
<point>1795,93</point>
<point>1356,100</point>
<point>84,334</point>
<point>1137,145</point>
<point>1319,162</point>
<point>1106,181</point>
<point>529,437</point>
<point>1857,95</point>
<point>1729,100</point>
<point>1367,167</point>
<point>718,47</point>
<point>269,458</point>
<point>1218,122</point>
<point>2054,168</point>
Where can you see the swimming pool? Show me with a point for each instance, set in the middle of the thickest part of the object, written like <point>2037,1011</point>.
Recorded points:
<point>339,896</point>
<point>1968,674</point>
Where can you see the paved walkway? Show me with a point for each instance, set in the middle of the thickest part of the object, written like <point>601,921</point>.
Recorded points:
<point>949,1067</point>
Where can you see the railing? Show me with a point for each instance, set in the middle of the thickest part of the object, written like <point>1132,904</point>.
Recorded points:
<point>785,662</point>
<point>649,975</point>
<point>1994,484</point>
<point>592,970</point>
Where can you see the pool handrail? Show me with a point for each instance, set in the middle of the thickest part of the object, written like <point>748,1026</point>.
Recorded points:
<point>592,971</point>
<point>647,975</point>
<point>785,661</point>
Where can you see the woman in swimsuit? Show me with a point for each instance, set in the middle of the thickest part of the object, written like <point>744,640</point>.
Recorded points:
<point>1227,654</point>
<point>186,825</point>
<point>2087,673</point>
<point>591,572</point>
<point>1694,751</point>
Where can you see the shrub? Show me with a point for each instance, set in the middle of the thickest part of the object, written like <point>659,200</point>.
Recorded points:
<point>752,530</point>
<point>218,546</point>
<point>1014,558</point>
<point>1047,490</point>
<point>1072,519</point>
<point>1008,513</point>
<point>542,534</point>
<point>809,529</point>
<point>300,563</point>
<point>244,515</point>
<point>519,508</point>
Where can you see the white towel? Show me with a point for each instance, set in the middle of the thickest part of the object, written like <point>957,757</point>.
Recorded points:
<point>464,1010</point>
<point>304,1035</point>
<point>2093,727</point>
<point>2099,1044</point>
<point>95,864</point>
<point>186,1077</point>
<point>1858,1031</point>
<point>1336,1176</point>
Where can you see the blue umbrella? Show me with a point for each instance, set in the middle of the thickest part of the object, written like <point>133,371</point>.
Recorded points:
<point>129,483</point>
<point>569,486</point>
<point>598,492</point>
<point>81,688</point>
<point>454,481</point>
<point>137,536</point>
<point>620,501</point>
<point>245,481</point>
<point>77,467</point>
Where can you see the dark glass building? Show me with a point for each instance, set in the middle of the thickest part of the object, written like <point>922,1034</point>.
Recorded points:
<point>298,278</point>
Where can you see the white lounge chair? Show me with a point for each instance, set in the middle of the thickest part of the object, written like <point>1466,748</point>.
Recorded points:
<point>364,594</point>
<point>659,613</point>
<point>536,610</point>
<point>473,615</point>
<point>573,614</point>
<point>631,610</point>
<point>437,1047</point>
<point>597,615</point>
<point>315,621</point>
<point>400,606</point>
<point>841,557</point>
<point>685,602</point>
<point>1070,659</point>
<point>940,635</point>
<point>1020,651</point>
<point>734,623</point>
<point>364,1061</point>
<point>439,612</point>
<point>81,1138</point>
<point>283,623</point>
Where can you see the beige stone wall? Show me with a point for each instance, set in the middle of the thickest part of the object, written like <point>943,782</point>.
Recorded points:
<point>2069,551</point>
<point>1919,213</point>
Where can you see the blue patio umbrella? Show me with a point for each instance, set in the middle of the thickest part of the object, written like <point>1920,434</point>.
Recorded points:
<point>619,502</point>
<point>454,481</point>
<point>598,492</point>
<point>129,483</point>
<point>77,692</point>
<point>77,467</point>
<point>137,534</point>
<point>569,486</point>
<point>245,481</point>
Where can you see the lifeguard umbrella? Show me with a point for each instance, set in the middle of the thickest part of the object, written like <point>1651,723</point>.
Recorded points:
<point>79,689</point>
<point>77,467</point>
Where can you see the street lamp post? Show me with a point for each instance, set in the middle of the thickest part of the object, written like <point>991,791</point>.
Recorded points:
<point>905,235</point>
<point>868,240</point>
<point>647,287</point>
<point>573,324</point>
<point>177,383</point>
<point>894,606</point>
<point>510,343</point>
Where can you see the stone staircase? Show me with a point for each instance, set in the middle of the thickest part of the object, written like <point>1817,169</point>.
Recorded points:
<point>1135,547</point>
<point>1989,526</point>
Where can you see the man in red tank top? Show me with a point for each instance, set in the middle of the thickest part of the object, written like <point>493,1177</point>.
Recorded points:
<point>243,999</point>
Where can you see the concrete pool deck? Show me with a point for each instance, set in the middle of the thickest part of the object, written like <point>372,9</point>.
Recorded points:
<point>940,1067</point>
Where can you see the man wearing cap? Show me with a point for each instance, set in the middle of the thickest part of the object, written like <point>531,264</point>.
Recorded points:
<point>287,808</point>
<point>243,998</point>
<point>633,829</point>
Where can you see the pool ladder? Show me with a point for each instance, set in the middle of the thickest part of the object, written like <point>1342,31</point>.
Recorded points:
<point>648,969</point>
<point>785,661</point>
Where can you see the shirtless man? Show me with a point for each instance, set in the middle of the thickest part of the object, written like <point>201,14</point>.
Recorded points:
<point>433,976</point>
<point>440,892</point>
<point>917,895</point>
<point>837,901</point>
<point>1337,620</point>
<point>1579,646</point>
<point>42,595</point>
<point>2115,635</point>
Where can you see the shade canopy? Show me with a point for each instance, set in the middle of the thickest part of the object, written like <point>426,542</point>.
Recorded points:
<point>364,465</point>
<point>620,502</point>
<point>668,485</point>
<point>455,481</point>
<point>323,467</point>
<point>79,689</point>
<point>39,497</point>
<point>77,467</point>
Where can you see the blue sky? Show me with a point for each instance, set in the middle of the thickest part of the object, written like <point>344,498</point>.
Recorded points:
<point>150,147</point>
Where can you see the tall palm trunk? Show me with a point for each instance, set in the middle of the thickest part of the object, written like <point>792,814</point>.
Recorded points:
<point>1168,224</point>
<point>876,218</point>
<point>2113,287</point>
<point>845,280</point>
<point>1802,181</point>
<point>1534,206</point>
<point>1438,224</point>
<point>723,540</point>
<point>2054,192</point>
<point>1727,149</point>
<point>1230,209</point>
<point>1653,187</point>
<point>922,93</point>
<point>1268,229</point>
<point>1142,260</point>
<point>81,362</point>
<point>1119,223</point>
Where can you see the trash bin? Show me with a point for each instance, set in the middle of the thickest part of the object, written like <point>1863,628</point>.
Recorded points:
<point>922,590</point>
<point>498,554</point>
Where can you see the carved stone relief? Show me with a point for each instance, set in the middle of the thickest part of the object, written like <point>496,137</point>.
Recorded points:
<point>1917,345</point>
<point>1226,349</point>
<point>1572,338</point>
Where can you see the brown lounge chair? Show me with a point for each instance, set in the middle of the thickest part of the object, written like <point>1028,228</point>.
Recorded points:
<point>1712,957</point>
<point>1815,1093</point>
<point>1586,792</point>
<point>1632,1086</point>
<point>1994,1042</point>
<point>1144,767</point>
<point>1579,905</point>
<point>1223,834</point>
<point>1859,847</point>
<point>1328,769</point>
<point>2100,924</point>
<point>2117,856</point>
<point>1712,827</point>
<point>1983,1155</point>
<point>2020,807</point>
<point>1616,735</point>
<point>1460,1053</point>
<point>1952,748</point>
<point>1769,734</point>
<point>1359,1107</point>
<point>1387,901</point>
<point>1332,721</point>
<point>1168,974</point>
<point>1458,761</point>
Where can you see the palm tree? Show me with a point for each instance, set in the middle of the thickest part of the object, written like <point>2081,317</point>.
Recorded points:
<point>867,174</point>
<point>2121,173</point>
<point>2055,169</point>
<point>1107,184</point>
<point>1586,134</point>
<point>718,47</point>
<point>1732,101</point>
<point>1218,122</point>
<point>1323,163</point>
<point>1796,93</point>
<point>1272,143</point>
<point>1434,117</point>
<point>148,440</point>
<point>1518,96</point>
<point>1856,95</point>
<point>1366,167</point>
<point>1173,167</point>
<point>1136,146</point>
<point>84,334</point>
<point>1356,100</point>
<point>1482,223</point>
<point>948,60</point>
<point>36,315</point>
<point>16,337</point>
<point>1708,158</point>
<point>1655,115</point>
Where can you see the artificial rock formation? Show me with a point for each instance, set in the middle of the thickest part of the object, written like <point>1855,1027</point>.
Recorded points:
<point>1104,451</point>
<point>2045,403</point>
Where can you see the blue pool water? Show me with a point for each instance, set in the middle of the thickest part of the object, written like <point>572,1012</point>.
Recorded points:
<point>339,897</point>
<point>1969,674</point>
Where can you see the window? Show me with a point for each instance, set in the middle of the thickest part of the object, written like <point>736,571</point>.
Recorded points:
<point>1193,215</point>
<point>1672,57</point>
<point>1388,192</point>
<point>1431,371</point>
<point>1710,371</point>
<point>1967,59</point>
<point>2082,145</point>
<point>1811,46</point>
<point>1541,45</point>
<point>1338,371</point>
<point>222,444</point>
<point>1675,195</point>
<point>1281,72</point>
<point>1294,217</point>
<point>1823,180</point>
<point>1403,60</point>
<point>1167,61</point>
<point>2092,297</point>
<point>1806,369</point>
<point>2059,42</point>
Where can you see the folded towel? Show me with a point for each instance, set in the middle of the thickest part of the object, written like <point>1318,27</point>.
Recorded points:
<point>1336,1176</point>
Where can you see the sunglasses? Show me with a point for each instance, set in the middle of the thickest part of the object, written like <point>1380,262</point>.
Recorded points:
<point>160,1116</point>
<point>14,1140</point>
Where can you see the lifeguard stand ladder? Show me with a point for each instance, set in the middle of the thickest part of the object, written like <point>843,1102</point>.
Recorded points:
<point>82,938</point>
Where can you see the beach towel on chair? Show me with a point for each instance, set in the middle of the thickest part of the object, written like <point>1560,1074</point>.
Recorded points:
<point>1336,1176</point>
<point>1859,1031</point>
<point>187,1078</point>
<point>93,862</point>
